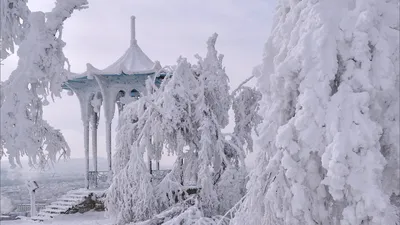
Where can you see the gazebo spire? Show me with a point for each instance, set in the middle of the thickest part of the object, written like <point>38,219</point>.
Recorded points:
<point>133,38</point>
<point>134,61</point>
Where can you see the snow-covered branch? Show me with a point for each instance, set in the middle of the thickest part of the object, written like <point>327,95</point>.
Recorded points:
<point>39,74</point>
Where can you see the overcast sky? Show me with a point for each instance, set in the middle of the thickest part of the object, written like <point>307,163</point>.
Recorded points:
<point>165,30</point>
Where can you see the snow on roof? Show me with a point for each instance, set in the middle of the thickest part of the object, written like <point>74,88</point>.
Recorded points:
<point>134,61</point>
<point>72,75</point>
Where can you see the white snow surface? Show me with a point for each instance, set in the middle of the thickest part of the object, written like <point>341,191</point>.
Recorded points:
<point>89,218</point>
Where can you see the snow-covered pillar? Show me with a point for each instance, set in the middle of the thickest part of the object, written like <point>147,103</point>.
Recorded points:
<point>158,165</point>
<point>86,109</point>
<point>94,143</point>
<point>109,100</point>
<point>86,147</point>
<point>108,143</point>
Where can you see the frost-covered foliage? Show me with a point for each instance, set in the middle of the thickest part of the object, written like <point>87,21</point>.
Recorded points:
<point>185,117</point>
<point>231,188</point>
<point>246,106</point>
<point>39,74</point>
<point>6,205</point>
<point>14,23</point>
<point>330,147</point>
<point>137,195</point>
<point>185,213</point>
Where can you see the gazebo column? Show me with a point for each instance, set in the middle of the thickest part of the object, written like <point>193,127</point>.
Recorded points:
<point>84,100</point>
<point>109,100</point>
<point>94,143</point>
<point>108,144</point>
<point>86,146</point>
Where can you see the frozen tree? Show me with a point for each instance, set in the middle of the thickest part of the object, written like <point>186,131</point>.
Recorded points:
<point>39,74</point>
<point>329,80</point>
<point>14,23</point>
<point>131,193</point>
<point>151,121</point>
<point>231,188</point>
<point>184,116</point>
<point>245,107</point>
<point>6,205</point>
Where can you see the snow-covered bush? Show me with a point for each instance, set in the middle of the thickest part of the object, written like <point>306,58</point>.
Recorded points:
<point>329,80</point>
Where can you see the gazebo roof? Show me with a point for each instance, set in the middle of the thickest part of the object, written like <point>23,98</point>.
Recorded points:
<point>133,62</point>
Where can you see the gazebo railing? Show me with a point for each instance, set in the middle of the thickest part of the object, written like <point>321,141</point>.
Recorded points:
<point>158,175</point>
<point>25,207</point>
<point>99,179</point>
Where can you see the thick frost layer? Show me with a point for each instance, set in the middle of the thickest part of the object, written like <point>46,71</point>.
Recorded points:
<point>330,85</point>
<point>14,23</point>
<point>184,116</point>
<point>39,74</point>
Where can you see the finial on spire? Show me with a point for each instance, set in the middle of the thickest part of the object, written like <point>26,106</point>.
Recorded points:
<point>133,38</point>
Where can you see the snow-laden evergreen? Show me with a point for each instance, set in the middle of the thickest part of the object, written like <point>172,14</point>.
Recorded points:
<point>329,140</point>
<point>185,117</point>
<point>40,72</point>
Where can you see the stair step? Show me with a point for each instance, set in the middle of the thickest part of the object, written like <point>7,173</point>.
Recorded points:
<point>45,215</point>
<point>66,199</point>
<point>79,192</point>
<point>56,209</point>
<point>62,203</point>
<point>41,218</point>
<point>63,207</point>
<point>52,212</point>
<point>75,196</point>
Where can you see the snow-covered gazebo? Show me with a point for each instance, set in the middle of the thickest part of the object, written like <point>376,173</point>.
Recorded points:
<point>119,83</point>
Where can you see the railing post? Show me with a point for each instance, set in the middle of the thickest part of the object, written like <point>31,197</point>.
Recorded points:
<point>94,144</point>
<point>108,145</point>
<point>150,166</point>
<point>86,144</point>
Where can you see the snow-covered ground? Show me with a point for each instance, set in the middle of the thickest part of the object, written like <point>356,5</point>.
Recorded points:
<point>89,218</point>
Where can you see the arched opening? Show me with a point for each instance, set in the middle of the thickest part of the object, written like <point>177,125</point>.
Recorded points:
<point>120,104</point>
<point>159,79</point>
<point>96,102</point>
<point>135,93</point>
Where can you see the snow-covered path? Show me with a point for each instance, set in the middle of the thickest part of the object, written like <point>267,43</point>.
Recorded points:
<point>90,218</point>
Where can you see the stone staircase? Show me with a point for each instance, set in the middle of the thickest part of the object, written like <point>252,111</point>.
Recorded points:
<point>62,205</point>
